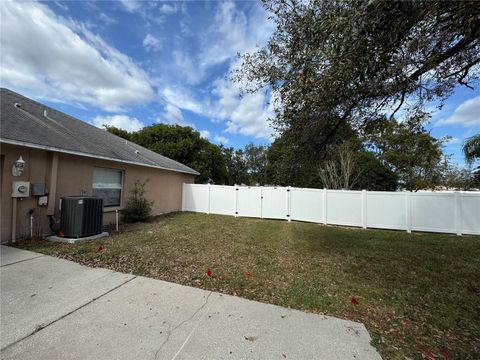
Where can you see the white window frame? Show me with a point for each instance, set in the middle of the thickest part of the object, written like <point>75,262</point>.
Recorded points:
<point>122,176</point>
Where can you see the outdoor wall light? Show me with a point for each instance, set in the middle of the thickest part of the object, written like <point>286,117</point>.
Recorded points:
<point>18,167</point>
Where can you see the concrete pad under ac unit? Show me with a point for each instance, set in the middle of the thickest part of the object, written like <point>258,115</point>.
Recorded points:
<point>75,240</point>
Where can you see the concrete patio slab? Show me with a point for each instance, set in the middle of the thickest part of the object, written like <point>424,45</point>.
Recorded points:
<point>249,329</point>
<point>40,290</point>
<point>142,318</point>
<point>9,255</point>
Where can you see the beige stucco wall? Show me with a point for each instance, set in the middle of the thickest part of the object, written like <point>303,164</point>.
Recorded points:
<point>74,174</point>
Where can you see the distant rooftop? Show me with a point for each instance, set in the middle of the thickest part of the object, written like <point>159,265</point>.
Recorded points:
<point>28,123</point>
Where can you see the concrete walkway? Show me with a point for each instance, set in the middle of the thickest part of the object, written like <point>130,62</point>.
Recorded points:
<point>57,309</point>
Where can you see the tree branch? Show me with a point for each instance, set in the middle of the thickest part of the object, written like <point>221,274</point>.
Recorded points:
<point>402,100</point>
<point>438,59</point>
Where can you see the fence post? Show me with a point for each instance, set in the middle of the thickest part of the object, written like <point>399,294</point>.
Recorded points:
<point>364,209</point>
<point>261,202</point>
<point>408,211</point>
<point>183,196</point>
<point>208,205</point>
<point>458,213</point>
<point>235,201</point>
<point>325,206</point>
<point>289,197</point>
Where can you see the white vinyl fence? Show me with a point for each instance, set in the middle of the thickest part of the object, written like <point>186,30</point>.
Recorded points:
<point>447,212</point>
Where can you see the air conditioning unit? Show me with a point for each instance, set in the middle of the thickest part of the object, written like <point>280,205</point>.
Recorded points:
<point>81,216</point>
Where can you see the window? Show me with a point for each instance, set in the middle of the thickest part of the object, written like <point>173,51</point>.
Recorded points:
<point>107,184</point>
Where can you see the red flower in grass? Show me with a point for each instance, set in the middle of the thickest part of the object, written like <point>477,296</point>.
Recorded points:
<point>248,274</point>
<point>354,301</point>
<point>100,248</point>
<point>445,353</point>
<point>209,272</point>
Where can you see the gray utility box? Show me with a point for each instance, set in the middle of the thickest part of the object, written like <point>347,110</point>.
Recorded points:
<point>81,216</point>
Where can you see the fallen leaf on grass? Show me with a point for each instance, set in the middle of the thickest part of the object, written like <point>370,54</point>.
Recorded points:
<point>428,355</point>
<point>445,353</point>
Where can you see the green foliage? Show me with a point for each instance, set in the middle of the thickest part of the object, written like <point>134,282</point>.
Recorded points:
<point>285,166</point>
<point>396,154</point>
<point>236,167</point>
<point>375,175</point>
<point>256,163</point>
<point>471,148</point>
<point>137,208</point>
<point>119,132</point>
<point>413,154</point>
<point>452,177</point>
<point>332,63</point>
<point>185,145</point>
<point>288,166</point>
<point>182,144</point>
<point>247,166</point>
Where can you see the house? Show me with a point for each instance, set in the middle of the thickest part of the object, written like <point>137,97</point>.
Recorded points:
<point>59,155</point>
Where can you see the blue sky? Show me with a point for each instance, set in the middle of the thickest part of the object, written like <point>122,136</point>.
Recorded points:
<point>135,63</point>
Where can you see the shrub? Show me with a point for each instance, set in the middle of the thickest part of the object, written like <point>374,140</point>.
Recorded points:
<point>137,208</point>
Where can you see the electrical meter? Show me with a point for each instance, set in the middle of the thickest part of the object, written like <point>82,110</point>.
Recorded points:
<point>20,189</point>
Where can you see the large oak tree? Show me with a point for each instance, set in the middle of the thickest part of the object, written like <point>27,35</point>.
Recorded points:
<point>333,64</point>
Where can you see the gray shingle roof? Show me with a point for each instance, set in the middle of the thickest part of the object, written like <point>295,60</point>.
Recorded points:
<point>29,123</point>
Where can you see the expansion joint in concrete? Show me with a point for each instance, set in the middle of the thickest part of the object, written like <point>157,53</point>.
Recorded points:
<point>170,332</point>
<point>43,326</point>
<point>20,261</point>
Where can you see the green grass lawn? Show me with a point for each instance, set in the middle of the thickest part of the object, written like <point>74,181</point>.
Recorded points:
<point>418,294</point>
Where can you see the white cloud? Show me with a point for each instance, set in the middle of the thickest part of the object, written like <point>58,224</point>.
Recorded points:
<point>173,113</point>
<point>221,139</point>
<point>151,43</point>
<point>168,9</point>
<point>233,31</point>
<point>105,19</point>
<point>186,65</point>
<point>185,28</point>
<point>205,134</point>
<point>247,115</point>
<point>173,116</point>
<point>183,99</point>
<point>61,5</point>
<point>131,5</point>
<point>145,9</point>
<point>467,114</point>
<point>120,121</point>
<point>63,61</point>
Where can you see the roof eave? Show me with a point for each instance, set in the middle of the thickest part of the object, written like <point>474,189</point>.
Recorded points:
<point>78,153</point>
